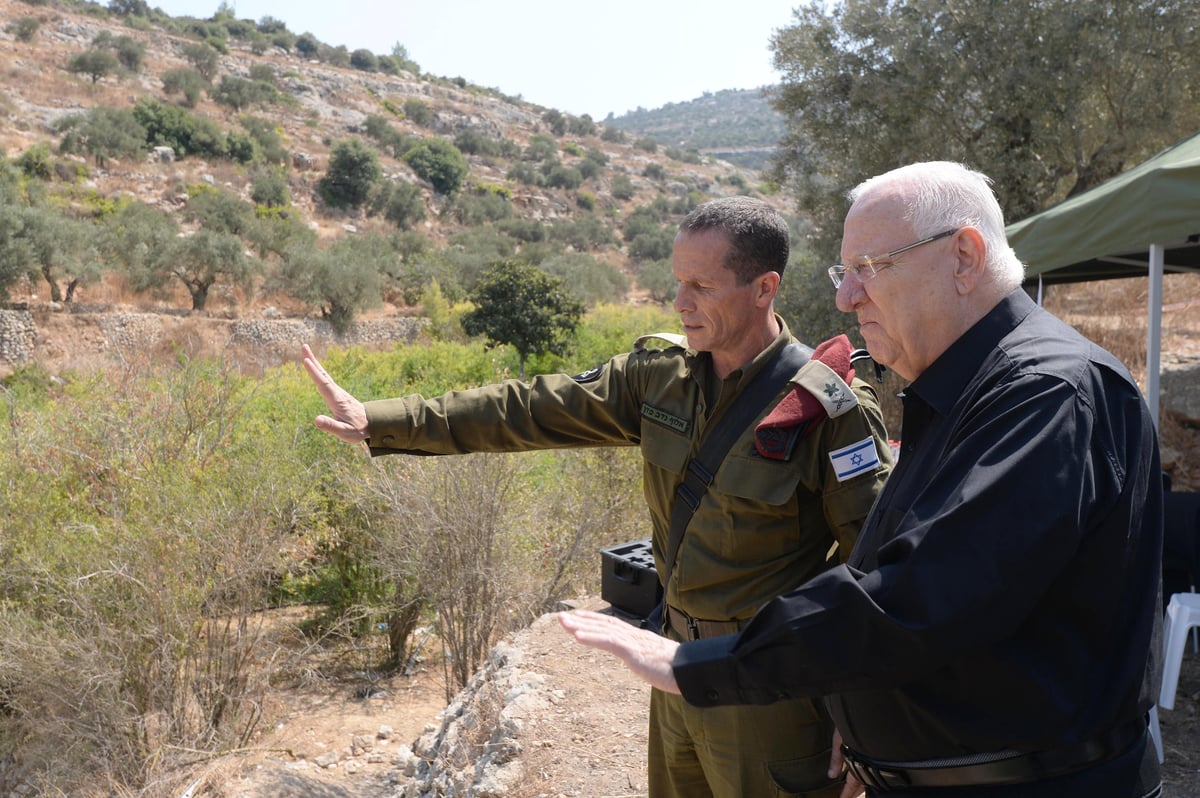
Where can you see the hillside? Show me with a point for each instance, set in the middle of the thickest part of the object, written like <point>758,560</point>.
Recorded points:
<point>736,125</point>
<point>578,182</point>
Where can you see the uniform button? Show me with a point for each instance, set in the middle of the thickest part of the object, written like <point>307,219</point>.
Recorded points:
<point>388,440</point>
<point>712,695</point>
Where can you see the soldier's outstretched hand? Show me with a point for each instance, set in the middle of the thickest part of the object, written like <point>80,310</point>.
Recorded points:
<point>349,419</point>
<point>647,654</point>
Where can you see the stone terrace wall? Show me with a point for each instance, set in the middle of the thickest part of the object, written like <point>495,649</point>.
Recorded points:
<point>25,335</point>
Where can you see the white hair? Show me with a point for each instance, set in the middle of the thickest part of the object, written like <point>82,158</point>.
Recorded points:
<point>939,195</point>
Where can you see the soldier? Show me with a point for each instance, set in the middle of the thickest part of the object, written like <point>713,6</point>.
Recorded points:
<point>802,455</point>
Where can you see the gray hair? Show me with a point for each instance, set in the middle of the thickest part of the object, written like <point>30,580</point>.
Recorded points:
<point>942,194</point>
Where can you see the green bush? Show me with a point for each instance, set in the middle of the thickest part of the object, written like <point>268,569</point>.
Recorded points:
<point>439,162</point>
<point>353,172</point>
<point>418,112</point>
<point>657,278</point>
<point>102,132</point>
<point>23,28</point>
<point>592,281</point>
<point>402,204</point>
<point>181,130</point>
<point>478,209</point>
<point>187,82</point>
<point>613,135</point>
<point>364,60</point>
<point>622,187</point>
<point>269,188</point>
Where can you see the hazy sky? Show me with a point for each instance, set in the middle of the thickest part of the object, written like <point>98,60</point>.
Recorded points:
<point>579,57</point>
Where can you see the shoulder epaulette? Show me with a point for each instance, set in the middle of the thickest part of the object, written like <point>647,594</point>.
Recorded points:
<point>674,339</point>
<point>821,389</point>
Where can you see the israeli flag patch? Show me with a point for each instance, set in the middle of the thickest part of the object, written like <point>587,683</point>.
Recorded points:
<point>850,461</point>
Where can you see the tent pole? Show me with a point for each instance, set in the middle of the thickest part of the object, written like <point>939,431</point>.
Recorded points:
<point>1154,329</point>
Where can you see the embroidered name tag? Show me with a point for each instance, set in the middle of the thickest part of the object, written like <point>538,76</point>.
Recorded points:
<point>666,419</point>
<point>855,459</point>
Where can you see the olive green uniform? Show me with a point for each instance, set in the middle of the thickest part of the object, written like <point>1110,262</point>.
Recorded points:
<point>764,527</point>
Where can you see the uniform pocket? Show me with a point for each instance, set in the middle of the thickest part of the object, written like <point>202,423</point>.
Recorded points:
<point>805,777</point>
<point>665,448</point>
<point>771,482</point>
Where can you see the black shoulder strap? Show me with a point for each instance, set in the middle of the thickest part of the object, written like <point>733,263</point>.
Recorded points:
<point>702,469</point>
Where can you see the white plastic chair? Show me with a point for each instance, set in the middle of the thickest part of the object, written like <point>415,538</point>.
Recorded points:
<point>1183,613</point>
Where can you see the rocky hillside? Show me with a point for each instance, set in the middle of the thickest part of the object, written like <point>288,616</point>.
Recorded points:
<point>314,101</point>
<point>735,125</point>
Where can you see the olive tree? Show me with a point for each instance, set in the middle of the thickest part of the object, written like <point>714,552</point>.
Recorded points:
<point>524,307</point>
<point>1047,98</point>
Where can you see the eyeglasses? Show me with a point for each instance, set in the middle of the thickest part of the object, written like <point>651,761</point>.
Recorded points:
<point>869,267</point>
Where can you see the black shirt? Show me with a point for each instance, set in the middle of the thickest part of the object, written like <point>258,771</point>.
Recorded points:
<point>1003,593</point>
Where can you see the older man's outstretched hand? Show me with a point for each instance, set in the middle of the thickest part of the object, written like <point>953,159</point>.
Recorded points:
<point>645,653</point>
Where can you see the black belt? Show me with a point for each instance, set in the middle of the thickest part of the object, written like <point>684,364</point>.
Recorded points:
<point>1005,767</point>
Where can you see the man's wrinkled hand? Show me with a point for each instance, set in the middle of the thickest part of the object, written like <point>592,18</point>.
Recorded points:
<point>349,416</point>
<point>647,654</point>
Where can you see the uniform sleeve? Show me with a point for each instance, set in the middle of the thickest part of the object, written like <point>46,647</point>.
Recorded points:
<point>848,500</point>
<point>547,412</point>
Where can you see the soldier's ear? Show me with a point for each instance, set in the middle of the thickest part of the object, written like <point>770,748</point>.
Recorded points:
<point>767,285</point>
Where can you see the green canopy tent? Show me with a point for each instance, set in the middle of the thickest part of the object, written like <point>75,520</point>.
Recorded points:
<point>1145,221</point>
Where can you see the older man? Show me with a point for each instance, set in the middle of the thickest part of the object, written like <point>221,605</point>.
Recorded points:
<point>993,631</point>
<point>805,455</point>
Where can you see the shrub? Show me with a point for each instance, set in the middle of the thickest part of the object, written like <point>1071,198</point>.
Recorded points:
<point>184,132</point>
<point>187,82</point>
<point>131,52</point>
<point>555,121</point>
<point>477,209</point>
<point>657,277</point>
<point>23,28</point>
<point>540,148</point>
<point>581,126</point>
<point>418,112</point>
<point>622,187</point>
<point>592,281</point>
<point>587,232</point>
<point>353,171</point>
<point>36,161</point>
<point>204,59</point>
<point>654,171</point>
<point>270,143</point>
<point>402,204</point>
<point>307,45</point>
<point>364,60</point>
<point>439,162</point>
<point>646,143</point>
<point>560,176</point>
<point>269,188</point>
<point>239,93</point>
<point>613,135</point>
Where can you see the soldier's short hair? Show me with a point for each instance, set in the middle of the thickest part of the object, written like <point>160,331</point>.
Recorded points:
<point>758,234</point>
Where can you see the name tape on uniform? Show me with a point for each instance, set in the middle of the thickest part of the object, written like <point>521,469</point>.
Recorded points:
<point>850,461</point>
